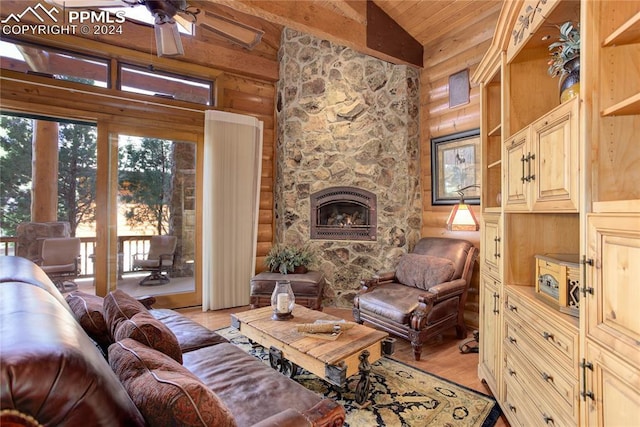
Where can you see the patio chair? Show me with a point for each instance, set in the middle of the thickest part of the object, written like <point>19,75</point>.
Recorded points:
<point>159,259</point>
<point>60,259</point>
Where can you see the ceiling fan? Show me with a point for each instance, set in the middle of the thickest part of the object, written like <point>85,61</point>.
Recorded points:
<point>168,14</point>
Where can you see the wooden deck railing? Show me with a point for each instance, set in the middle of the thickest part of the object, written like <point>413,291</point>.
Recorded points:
<point>128,246</point>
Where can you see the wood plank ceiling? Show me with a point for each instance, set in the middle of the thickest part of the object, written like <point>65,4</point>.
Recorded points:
<point>429,22</point>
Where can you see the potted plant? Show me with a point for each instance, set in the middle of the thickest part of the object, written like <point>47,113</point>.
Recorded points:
<point>289,259</point>
<point>565,60</point>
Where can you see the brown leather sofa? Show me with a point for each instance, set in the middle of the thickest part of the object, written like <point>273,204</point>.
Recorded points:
<point>53,373</point>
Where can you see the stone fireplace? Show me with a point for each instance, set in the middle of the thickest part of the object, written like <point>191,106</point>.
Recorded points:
<point>343,213</point>
<point>346,120</point>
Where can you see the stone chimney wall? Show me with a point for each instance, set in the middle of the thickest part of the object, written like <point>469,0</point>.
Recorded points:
<point>346,119</point>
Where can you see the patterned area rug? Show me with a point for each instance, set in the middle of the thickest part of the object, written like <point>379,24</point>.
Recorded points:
<point>400,395</point>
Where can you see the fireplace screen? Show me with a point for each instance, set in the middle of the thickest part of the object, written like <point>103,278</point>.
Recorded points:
<point>343,213</point>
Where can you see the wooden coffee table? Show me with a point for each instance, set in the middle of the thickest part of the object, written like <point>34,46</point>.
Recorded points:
<point>332,360</point>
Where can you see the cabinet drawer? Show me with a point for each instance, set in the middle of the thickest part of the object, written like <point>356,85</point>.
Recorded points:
<point>559,342</point>
<point>515,410</point>
<point>540,408</point>
<point>558,395</point>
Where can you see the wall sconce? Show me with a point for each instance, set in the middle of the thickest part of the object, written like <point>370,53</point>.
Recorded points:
<point>461,217</point>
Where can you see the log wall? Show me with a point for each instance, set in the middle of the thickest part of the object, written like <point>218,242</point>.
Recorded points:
<point>443,58</point>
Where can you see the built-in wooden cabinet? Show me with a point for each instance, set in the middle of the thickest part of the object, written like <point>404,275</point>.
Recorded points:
<point>491,137</point>
<point>491,245</point>
<point>552,166</point>
<point>541,167</point>
<point>569,176</point>
<point>516,188</point>
<point>610,366</point>
<point>541,352</point>
<point>609,309</point>
<point>611,390</point>
<point>490,324</point>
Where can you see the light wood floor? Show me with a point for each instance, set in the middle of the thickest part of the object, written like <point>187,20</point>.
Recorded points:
<point>440,356</point>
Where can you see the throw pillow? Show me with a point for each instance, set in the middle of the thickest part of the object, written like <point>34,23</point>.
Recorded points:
<point>87,310</point>
<point>424,271</point>
<point>146,329</point>
<point>165,392</point>
<point>119,306</point>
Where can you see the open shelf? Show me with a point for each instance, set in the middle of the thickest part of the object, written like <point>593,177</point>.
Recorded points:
<point>627,107</point>
<point>497,163</point>
<point>627,33</point>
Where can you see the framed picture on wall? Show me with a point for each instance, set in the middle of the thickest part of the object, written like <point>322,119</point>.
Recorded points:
<point>455,164</point>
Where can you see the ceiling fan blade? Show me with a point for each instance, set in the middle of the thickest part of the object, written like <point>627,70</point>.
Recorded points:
<point>184,22</point>
<point>235,31</point>
<point>86,4</point>
<point>168,42</point>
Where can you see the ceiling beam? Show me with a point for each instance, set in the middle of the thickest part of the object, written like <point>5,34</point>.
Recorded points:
<point>385,35</point>
<point>340,21</point>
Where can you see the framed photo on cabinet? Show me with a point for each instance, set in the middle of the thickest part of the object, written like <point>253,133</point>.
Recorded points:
<point>455,164</point>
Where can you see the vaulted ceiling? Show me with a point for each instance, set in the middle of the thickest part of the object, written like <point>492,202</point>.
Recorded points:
<point>399,31</point>
<point>429,22</point>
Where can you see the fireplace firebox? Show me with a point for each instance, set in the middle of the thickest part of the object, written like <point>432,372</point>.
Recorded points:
<point>343,213</point>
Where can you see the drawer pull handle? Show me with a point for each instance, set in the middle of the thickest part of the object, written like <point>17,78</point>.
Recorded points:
<point>512,340</point>
<point>584,365</point>
<point>512,408</point>
<point>513,307</point>
<point>547,377</point>
<point>531,176</point>
<point>512,372</point>
<point>586,289</point>
<point>547,336</point>
<point>547,419</point>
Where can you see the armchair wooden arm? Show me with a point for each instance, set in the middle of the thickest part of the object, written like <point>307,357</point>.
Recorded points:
<point>380,278</point>
<point>448,289</point>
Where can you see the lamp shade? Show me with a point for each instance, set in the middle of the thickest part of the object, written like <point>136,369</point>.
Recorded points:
<point>462,218</point>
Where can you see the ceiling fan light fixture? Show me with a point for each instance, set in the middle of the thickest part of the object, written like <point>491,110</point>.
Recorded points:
<point>168,41</point>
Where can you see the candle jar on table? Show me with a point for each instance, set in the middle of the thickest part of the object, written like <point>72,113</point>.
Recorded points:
<point>282,300</point>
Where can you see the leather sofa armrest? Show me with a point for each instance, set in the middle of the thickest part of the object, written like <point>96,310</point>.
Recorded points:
<point>286,418</point>
<point>448,289</point>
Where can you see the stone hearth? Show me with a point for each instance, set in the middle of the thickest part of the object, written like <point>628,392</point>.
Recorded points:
<point>347,119</point>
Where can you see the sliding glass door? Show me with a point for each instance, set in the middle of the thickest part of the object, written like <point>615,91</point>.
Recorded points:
<point>152,219</point>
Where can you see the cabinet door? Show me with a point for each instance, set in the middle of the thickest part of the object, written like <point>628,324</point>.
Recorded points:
<point>612,304</point>
<point>490,337</point>
<point>515,196</point>
<point>552,169</point>
<point>491,246</point>
<point>612,389</point>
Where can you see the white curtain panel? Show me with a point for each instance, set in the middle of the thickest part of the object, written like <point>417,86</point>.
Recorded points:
<point>232,169</point>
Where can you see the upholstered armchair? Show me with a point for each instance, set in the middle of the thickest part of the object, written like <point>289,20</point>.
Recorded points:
<point>424,296</point>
